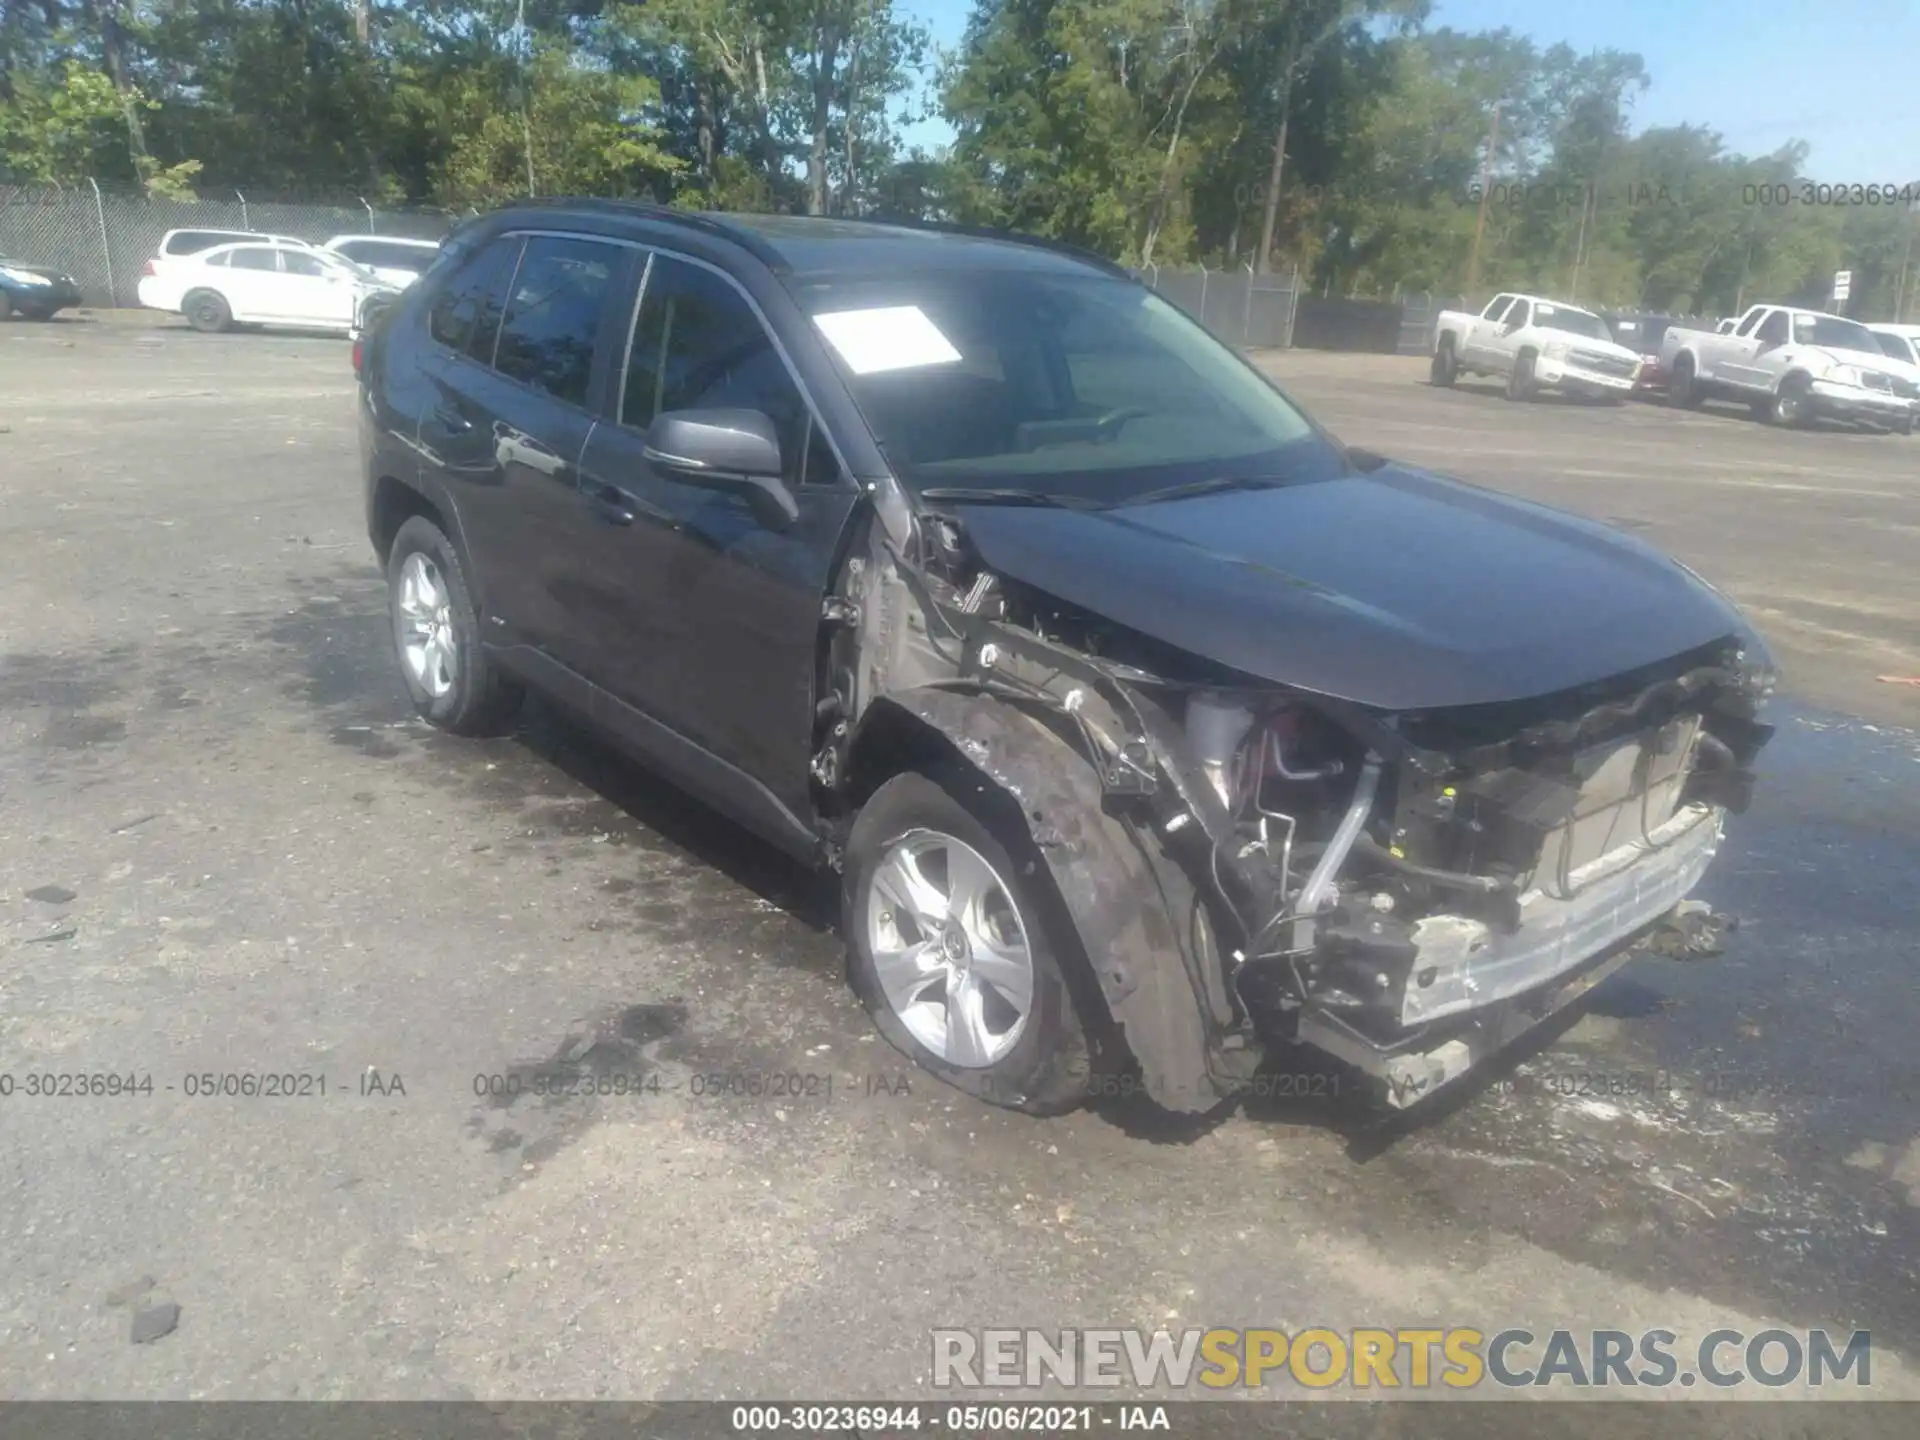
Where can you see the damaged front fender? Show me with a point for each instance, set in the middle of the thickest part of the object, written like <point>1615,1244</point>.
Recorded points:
<point>1130,913</point>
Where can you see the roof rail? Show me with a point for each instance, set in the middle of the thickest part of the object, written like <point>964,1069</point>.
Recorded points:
<point>647,210</point>
<point>982,232</point>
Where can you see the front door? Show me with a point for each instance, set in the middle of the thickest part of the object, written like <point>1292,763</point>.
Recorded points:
<point>710,619</point>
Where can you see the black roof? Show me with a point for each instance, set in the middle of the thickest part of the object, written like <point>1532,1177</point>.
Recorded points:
<point>809,245</point>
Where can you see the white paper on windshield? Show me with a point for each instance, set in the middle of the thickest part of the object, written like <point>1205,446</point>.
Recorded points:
<point>1547,310</point>
<point>894,337</point>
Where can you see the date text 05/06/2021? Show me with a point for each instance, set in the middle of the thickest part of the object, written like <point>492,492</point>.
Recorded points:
<point>997,1418</point>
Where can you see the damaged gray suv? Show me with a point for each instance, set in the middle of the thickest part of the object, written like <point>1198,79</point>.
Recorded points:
<point>1152,731</point>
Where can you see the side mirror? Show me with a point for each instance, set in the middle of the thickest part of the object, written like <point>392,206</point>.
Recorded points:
<point>732,450</point>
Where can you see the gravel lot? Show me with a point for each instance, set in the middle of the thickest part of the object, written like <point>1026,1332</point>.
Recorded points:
<point>273,869</point>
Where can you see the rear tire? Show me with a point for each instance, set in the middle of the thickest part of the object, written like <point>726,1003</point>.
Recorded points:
<point>1683,390</point>
<point>1905,427</point>
<point>1520,382</point>
<point>207,311</point>
<point>6,307</point>
<point>1040,1062</point>
<point>453,683</point>
<point>1446,368</point>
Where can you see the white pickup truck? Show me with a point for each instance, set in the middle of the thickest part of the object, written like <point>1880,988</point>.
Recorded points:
<point>1534,344</point>
<point>1790,365</point>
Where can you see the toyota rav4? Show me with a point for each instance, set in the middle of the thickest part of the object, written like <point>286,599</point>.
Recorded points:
<point>1150,729</point>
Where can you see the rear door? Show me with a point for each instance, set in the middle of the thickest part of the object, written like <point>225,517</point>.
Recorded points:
<point>1503,343</point>
<point>709,620</point>
<point>516,337</point>
<point>1744,354</point>
<point>1485,326</point>
<point>251,282</point>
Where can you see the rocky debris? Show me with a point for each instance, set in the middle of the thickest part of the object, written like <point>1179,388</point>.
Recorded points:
<point>150,1322</point>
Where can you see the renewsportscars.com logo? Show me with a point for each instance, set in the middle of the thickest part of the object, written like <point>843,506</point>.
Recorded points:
<point>1399,1359</point>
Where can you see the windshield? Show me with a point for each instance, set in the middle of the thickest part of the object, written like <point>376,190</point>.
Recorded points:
<point>1832,333</point>
<point>1065,385</point>
<point>1574,322</point>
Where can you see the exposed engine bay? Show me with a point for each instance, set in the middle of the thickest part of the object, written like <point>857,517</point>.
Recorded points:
<point>1406,892</point>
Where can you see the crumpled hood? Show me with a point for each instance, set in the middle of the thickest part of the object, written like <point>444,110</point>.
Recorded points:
<point>1396,588</point>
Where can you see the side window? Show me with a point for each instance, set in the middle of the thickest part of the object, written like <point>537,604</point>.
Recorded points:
<point>192,242</point>
<point>1496,307</point>
<point>221,259</point>
<point>1894,348</point>
<point>296,262</point>
<point>551,321</point>
<point>253,257</point>
<point>466,312</point>
<point>1745,327</point>
<point>1773,329</point>
<point>697,344</point>
<point>1519,314</point>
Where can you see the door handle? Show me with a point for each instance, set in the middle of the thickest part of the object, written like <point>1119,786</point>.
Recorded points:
<point>608,505</point>
<point>452,419</point>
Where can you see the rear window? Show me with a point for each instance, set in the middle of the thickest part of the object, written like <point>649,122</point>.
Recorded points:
<point>466,313</point>
<point>553,318</point>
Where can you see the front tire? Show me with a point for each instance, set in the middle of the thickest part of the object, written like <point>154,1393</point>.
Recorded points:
<point>947,947</point>
<point>1446,367</point>
<point>207,311</point>
<point>1790,409</point>
<point>453,683</point>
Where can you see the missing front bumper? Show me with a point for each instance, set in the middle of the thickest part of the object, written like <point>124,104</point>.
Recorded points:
<point>1474,990</point>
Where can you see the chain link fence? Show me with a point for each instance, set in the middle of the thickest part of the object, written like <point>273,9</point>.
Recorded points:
<point>1271,311</point>
<point>104,237</point>
<point>1238,306</point>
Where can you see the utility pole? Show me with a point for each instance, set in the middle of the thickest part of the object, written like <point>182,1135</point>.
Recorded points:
<point>1580,245</point>
<point>1480,224</point>
<point>1906,259</point>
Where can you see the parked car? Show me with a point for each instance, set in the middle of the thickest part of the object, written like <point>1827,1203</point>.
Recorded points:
<point>1790,365</point>
<point>297,286</point>
<point>1534,344</point>
<point>178,245</point>
<point>34,291</point>
<point>1898,342</point>
<point>1641,334</point>
<point>398,261</point>
<point>1146,724</point>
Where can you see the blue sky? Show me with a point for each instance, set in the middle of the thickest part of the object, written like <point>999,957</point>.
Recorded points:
<point>1843,75</point>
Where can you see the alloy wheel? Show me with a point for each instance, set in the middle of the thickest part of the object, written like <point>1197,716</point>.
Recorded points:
<point>949,948</point>
<point>423,625</point>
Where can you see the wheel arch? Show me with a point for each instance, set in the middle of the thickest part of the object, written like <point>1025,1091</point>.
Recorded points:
<point>1048,808</point>
<point>391,502</point>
